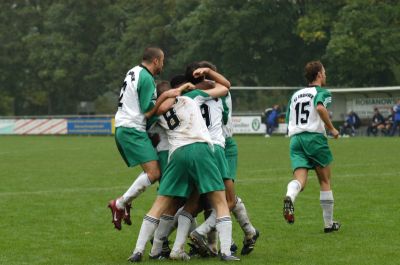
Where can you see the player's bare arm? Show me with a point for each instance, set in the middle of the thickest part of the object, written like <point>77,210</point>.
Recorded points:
<point>324,114</point>
<point>211,74</point>
<point>218,91</point>
<point>205,84</point>
<point>173,93</point>
<point>186,87</point>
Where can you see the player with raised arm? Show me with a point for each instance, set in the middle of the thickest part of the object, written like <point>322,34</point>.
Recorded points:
<point>136,104</point>
<point>215,113</point>
<point>191,164</point>
<point>307,117</point>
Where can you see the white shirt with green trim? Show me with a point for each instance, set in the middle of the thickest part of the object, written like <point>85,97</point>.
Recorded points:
<point>227,126</point>
<point>184,123</point>
<point>212,110</point>
<point>302,115</point>
<point>137,96</point>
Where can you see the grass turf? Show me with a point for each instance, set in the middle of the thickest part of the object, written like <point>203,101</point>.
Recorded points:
<point>54,192</point>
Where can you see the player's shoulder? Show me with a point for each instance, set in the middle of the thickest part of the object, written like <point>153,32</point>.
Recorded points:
<point>321,89</point>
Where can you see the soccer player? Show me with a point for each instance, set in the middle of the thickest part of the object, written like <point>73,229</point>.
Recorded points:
<point>136,104</point>
<point>191,164</point>
<point>217,114</point>
<point>307,117</point>
<point>251,234</point>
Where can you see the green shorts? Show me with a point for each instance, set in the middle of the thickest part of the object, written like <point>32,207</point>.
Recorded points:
<point>134,146</point>
<point>163,160</point>
<point>222,163</point>
<point>231,154</point>
<point>308,150</point>
<point>191,166</point>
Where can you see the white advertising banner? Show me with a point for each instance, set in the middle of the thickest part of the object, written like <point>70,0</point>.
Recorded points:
<point>364,107</point>
<point>247,124</point>
<point>253,125</point>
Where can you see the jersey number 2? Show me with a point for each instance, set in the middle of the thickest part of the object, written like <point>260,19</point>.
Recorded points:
<point>121,94</point>
<point>302,113</point>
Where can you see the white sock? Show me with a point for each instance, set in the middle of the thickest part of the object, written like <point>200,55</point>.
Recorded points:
<point>208,224</point>
<point>224,228</point>
<point>147,229</point>
<point>161,234</point>
<point>326,200</point>
<point>177,216</point>
<point>184,222</point>
<point>138,186</point>
<point>293,189</point>
<point>240,213</point>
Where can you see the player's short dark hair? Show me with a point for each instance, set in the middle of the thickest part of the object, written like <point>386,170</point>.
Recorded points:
<point>162,86</point>
<point>311,70</point>
<point>151,53</point>
<point>189,73</point>
<point>177,80</point>
<point>208,64</point>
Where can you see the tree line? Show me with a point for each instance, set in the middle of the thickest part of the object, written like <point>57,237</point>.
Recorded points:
<point>57,53</point>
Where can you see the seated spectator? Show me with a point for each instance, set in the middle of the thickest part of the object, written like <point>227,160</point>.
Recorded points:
<point>351,123</point>
<point>377,124</point>
<point>389,123</point>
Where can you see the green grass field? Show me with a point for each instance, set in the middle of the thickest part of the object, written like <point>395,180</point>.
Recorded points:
<point>54,192</point>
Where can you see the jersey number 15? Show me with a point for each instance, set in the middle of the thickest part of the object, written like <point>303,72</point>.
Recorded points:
<point>302,113</point>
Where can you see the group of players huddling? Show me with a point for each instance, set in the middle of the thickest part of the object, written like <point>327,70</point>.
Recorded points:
<point>180,133</point>
<point>195,160</point>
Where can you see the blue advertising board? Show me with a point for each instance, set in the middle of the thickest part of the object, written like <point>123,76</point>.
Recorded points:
<point>89,126</point>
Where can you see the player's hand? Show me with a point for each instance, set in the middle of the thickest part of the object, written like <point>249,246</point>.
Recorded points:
<point>173,93</point>
<point>203,71</point>
<point>335,133</point>
<point>190,86</point>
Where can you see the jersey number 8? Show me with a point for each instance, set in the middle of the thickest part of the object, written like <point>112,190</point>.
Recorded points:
<point>171,119</point>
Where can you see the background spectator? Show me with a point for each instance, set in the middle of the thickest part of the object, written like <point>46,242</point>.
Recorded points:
<point>271,120</point>
<point>377,124</point>
<point>396,120</point>
<point>389,122</point>
<point>351,123</point>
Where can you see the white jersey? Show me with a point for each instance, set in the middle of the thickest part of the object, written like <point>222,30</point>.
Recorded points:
<point>137,97</point>
<point>302,115</point>
<point>212,110</point>
<point>163,145</point>
<point>184,123</point>
<point>227,126</point>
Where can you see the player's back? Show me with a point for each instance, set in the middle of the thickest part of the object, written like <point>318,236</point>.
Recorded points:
<point>212,111</point>
<point>129,112</point>
<point>302,113</point>
<point>184,124</point>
